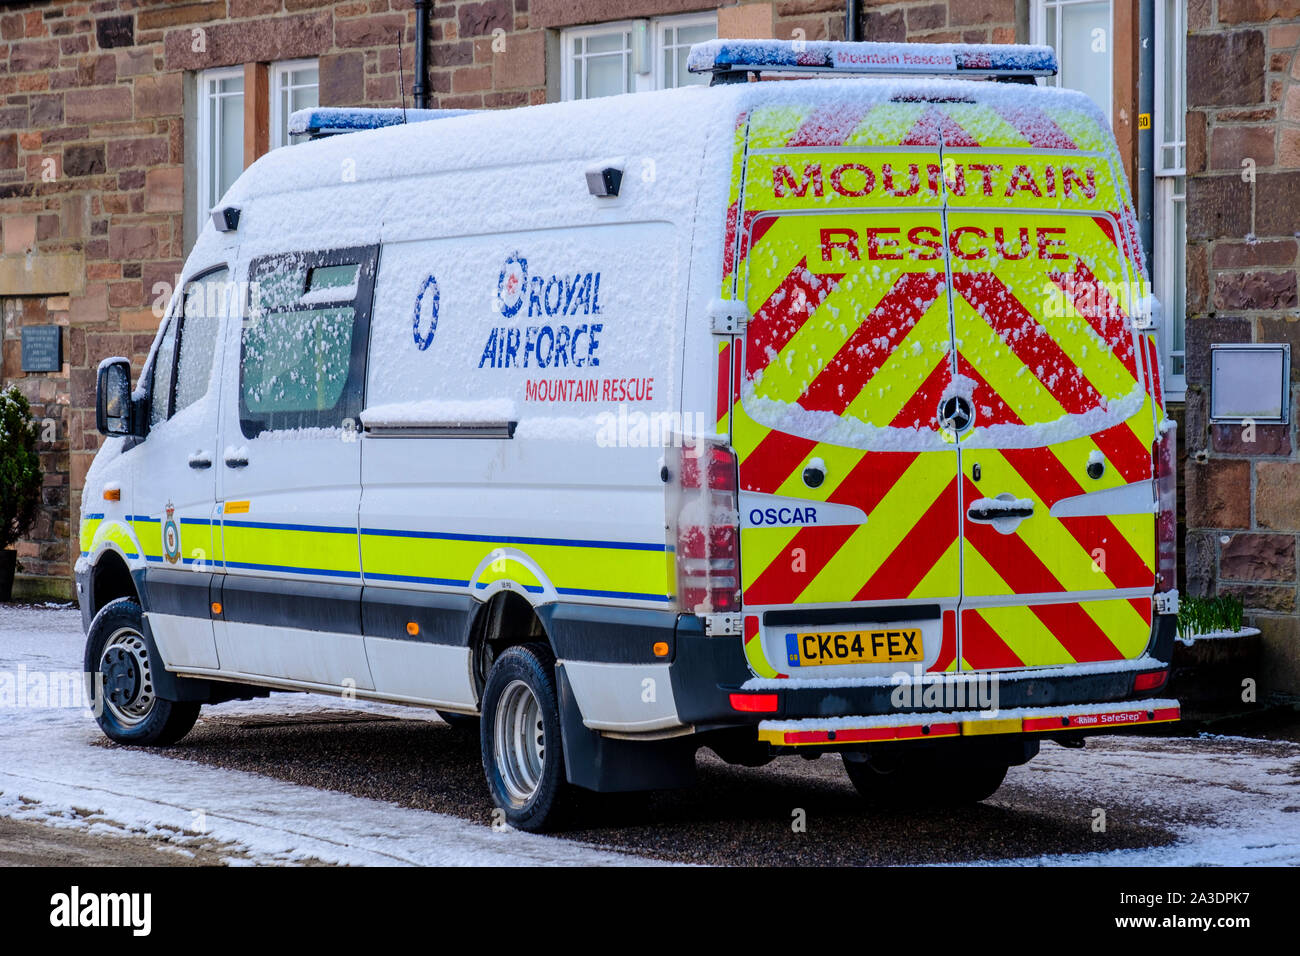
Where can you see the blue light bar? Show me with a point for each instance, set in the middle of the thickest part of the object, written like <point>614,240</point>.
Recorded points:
<point>321,121</point>
<point>723,57</point>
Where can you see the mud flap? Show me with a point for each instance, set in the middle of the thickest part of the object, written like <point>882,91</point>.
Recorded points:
<point>605,765</point>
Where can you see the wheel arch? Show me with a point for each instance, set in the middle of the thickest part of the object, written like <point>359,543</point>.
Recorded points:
<point>506,619</point>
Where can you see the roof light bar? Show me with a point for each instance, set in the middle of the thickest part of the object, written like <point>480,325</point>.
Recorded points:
<point>318,122</point>
<point>731,60</point>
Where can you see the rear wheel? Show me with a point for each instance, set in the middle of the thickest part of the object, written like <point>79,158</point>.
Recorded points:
<point>128,708</point>
<point>918,783</point>
<point>523,759</point>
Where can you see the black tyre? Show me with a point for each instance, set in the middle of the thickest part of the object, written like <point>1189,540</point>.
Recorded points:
<point>523,758</point>
<point>923,784</point>
<point>122,669</point>
<point>464,723</point>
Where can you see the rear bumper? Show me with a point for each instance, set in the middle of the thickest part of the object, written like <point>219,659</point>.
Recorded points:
<point>707,671</point>
<point>1029,720</point>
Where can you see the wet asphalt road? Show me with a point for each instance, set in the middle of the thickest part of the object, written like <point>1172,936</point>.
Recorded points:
<point>733,816</point>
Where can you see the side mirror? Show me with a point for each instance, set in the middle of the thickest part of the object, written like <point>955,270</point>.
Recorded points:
<point>113,397</point>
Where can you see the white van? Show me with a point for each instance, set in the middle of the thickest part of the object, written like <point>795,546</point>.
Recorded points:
<point>764,416</point>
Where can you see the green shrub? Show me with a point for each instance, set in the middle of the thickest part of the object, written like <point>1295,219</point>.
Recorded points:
<point>1207,615</point>
<point>20,467</point>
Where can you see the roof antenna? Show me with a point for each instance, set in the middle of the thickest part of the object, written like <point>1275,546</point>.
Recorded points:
<point>401,76</point>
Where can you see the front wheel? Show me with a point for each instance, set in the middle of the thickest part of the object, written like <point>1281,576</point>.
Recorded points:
<point>523,759</point>
<point>121,669</point>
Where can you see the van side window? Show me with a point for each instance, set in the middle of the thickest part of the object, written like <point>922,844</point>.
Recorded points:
<point>207,299</point>
<point>303,348</point>
<point>164,363</point>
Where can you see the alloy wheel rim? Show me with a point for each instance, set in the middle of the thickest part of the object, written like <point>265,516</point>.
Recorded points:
<point>519,742</point>
<point>127,674</point>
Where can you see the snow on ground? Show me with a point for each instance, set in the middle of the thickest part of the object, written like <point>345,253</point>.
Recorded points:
<point>1238,798</point>
<point>51,772</point>
<point>1230,800</point>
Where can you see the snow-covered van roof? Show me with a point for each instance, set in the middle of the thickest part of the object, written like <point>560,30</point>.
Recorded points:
<point>681,140</point>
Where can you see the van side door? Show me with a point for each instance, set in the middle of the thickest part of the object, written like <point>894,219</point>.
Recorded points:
<point>289,470</point>
<point>176,487</point>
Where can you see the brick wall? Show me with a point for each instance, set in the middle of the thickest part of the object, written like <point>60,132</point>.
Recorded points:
<point>45,554</point>
<point>1243,210</point>
<point>92,147</point>
<point>956,21</point>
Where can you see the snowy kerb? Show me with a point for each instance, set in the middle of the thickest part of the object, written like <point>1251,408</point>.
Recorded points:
<point>51,763</point>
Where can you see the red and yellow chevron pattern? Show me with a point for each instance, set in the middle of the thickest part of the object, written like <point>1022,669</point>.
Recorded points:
<point>892,255</point>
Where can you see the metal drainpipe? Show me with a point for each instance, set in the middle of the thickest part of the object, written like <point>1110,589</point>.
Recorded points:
<point>420,84</point>
<point>851,20</point>
<point>1146,137</point>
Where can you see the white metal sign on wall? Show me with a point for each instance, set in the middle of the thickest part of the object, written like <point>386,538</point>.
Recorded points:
<point>1250,383</point>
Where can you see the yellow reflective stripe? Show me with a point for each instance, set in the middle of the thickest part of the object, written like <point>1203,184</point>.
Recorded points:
<point>979,577</point>
<point>259,547</point>
<point>890,522</point>
<point>757,660</point>
<point>893,385</point>
<point>839,460</point>
<point>941,579</point>
<point>111,531</point>
<point>886,124</point>
<point>1027,636</point>
<point>1009,378</point>
<point>771,126</point>
<point>1083,129</point>
<point>984,124</point>
<point>1121,622</point>
<point>1059,550</point>
<point>87,532</point>
<point>579,568</point>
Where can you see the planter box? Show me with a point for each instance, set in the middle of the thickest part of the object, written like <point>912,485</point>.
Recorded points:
<point>1207,672</point>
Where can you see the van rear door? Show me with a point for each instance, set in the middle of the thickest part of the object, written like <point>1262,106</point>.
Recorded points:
<point>848,494</point>
<point>1056,455</point>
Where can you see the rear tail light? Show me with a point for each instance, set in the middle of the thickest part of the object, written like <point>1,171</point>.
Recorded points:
<point>1150,681</point>
<point>754,703</point>
<point>704,519</point>
<point>1165,452</point>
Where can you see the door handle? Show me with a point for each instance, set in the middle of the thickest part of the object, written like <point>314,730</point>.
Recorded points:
<point>236,461</point>
<point>201,459</point>
<point>991,509</point>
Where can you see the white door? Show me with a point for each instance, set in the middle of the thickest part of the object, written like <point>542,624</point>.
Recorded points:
<point>175,488</point>
<point>289,471</point>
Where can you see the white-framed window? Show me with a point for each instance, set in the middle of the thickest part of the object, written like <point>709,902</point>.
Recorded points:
<point>221,134</point>
<point>295,85</point>
<point>1169,268</point>
<point>1081,33</point>
<point>631,56</point>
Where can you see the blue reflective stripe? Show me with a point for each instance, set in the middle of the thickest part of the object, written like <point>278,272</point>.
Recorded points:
<point>498,539</point>
<point>292,570</point>
<point>289,527</point>
<point>416,578</point>
<point>630,595</point>
<point>96,516</point>
<point>530,588</point>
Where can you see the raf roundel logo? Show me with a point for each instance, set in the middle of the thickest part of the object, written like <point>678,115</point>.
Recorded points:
<point>171,536</point>
<point>425,321</point>
<point>511,285</point>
